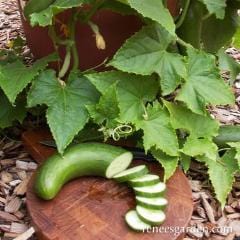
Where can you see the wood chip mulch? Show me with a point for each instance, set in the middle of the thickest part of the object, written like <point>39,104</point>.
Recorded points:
<point>16,168</point>
<point>209,221</point>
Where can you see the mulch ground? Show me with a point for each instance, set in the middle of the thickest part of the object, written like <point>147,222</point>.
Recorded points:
<point>16,166</point>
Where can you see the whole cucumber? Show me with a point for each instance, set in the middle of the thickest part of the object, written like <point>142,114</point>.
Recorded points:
<point>35,6</point>
<point>85,159</point>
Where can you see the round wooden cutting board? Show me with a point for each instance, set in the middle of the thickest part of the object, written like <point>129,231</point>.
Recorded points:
<point>91,208</point>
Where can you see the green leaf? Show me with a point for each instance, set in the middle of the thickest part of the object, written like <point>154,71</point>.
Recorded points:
<point>196,125</point>
<point>107,109</point>
<point>45,17</point>
<point>212,37</point>
<point>119,7</point>
<point>158,132</point>
<point>227,63</point>
<point>200,146</point>
<point>185,162</point>
<point>145,53</point>
<point>15,76</point>
<point>236,39</point>
<point>133,94</point>
<point>216,7</point>
<point>169,163</point>
<point>203,84</point>
<point>10,113</point>
<point>155,11</point>
<point>133,91</point>
<point>221,174</point>
<point>236,145</point>
<point>66,114</point>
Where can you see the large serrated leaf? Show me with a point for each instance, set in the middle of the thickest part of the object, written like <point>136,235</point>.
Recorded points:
<point>221,174</point>
<point>200,146</point>
<point>227,63</point>
<point>66,112</point>
<point>15,76</point>
<point>106,110</point>
<point>133,91</point>
<point>212,38</point>
<point>145,53</point>
<point>169,163</point>
<point>216,7</point>
<point>10,113</point>
<point>203,84</point>
<point>158,132</point>
<point>198,126</point>
<point>45,17</point>
<point>236,145</point>
<point>155,11</point>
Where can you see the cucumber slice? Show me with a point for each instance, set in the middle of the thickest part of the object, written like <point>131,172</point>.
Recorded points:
<point>152,203</point>
<point>131,173</point>
<point>146,180</point>
<point>119,164</point>
<point>149,216</point>
<point>156,190</point>
<point>135,222</point>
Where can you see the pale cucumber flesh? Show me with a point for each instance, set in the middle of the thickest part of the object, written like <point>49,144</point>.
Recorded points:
<point>150,216</point>
<point>119,164</point>
<point>155,190</point>
<point>131,173</point>
<point>152,203</point>
<point>146,180</point>
<point>134,222</point>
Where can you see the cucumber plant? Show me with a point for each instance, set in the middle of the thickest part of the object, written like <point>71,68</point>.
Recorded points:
<point>162,81</point>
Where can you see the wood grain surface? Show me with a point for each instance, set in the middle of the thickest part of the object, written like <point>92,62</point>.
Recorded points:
<point>94,208</point>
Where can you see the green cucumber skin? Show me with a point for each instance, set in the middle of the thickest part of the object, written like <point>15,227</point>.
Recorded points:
<point>143,184</point>
<point>35,6</point>
<point>150,195</point>
<point>149,206</point>
<point>86,159</point>
<point>148,221</point>
<point>227,134</point>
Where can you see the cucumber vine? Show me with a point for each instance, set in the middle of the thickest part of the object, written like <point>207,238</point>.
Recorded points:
<point>160,83</point>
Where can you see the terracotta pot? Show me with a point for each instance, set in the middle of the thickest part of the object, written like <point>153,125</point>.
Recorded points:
<point>114,27</point>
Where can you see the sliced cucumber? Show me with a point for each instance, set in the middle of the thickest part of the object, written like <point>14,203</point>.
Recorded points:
<point>146,180</point>
<point>131,173</point>
<point>85,159</point>
<point>135,222</point>
<point>156,190</point>
<point>119,164</point>
<point>152,203</point>
<point>149,216</point>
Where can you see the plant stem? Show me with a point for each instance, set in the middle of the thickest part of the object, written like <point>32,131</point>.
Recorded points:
<point>66,64</point>
<point>74,49</point>
<point>56,40</point>
<point>92,11</point>
<point>206,16</point>
<point>145,115</point>
<point>183,15</point>
<point>183,43</point>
